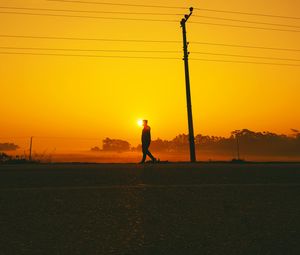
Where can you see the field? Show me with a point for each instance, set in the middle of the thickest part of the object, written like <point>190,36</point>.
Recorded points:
<point>150,209</point>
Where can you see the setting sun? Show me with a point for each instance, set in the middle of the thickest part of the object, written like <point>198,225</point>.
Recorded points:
<point>140,123</point>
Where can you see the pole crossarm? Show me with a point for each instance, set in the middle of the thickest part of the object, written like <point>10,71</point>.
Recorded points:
<point>187,16</point>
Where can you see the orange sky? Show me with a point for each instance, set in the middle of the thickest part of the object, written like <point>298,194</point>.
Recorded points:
<point>104,97</point>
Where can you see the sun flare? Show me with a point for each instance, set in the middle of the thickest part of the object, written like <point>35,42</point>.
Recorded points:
<point>140,123</point>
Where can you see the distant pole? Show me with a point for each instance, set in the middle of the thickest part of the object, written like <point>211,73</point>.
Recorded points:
<point>188,90</point>
<point>30,149</point>
<point>237,146</point>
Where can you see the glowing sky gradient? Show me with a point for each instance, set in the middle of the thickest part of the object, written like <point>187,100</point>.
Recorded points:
<point>104,97</point>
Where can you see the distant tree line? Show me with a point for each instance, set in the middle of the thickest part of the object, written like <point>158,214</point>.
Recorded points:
<point>4,157</point>
<point>250,143</point>
<point>8,147</point>
<point>113,145</point>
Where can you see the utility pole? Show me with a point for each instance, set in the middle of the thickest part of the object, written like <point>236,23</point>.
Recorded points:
<point>237,146</point>
<point>188,90</point>
<point>30,149</point>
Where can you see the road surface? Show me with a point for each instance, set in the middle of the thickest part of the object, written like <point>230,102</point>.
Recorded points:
<point>150,209</point>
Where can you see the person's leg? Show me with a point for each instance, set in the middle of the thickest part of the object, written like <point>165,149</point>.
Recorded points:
<point>144,150</point>
<point>150,155</point>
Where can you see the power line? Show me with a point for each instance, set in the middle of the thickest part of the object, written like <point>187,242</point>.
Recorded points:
<point>150,20</point>
<point>146,41</point>
<point>67,138</point>
<point>121,4</point>
<point>244,56</point>
<point>8,138</point>
<point>144,51</point>
<point>49,137</point>
<point>142,57</point>
<point>247,21</point>
<point>248,13</point>
<point>177,7</point>
<point>243,62</point>
<point>248,27</point>
<point>81,55</point>
<point>89,17</point>
<point>140,13</point>
<point>87,39</point>
<point>246,46</point>
<point>88,11</point>
<point>88,50</point>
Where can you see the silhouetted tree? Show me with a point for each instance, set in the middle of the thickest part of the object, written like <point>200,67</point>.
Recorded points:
<point>4,157</point>
<point>8,147</point>
<point>115,145</point>
<point>95,149</point>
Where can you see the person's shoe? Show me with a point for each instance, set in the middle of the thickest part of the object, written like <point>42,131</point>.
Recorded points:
<point>154,161</point>
<point>142,162</point>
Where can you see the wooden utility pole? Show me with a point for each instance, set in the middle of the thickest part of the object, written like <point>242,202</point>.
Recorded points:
<point>188,90</point>
<point>30,149</point>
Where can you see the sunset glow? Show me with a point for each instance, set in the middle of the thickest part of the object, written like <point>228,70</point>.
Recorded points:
<point>58,88</point>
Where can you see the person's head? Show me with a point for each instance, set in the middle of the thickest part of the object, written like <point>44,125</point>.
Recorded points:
<point>145,123</point>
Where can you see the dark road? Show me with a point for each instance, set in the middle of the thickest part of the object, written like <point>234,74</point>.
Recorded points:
<point>150,209</point>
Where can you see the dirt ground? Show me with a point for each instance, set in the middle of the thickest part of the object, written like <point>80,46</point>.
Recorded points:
<point>150,209</point>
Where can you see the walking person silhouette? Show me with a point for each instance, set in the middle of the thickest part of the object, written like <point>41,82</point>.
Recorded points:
<point>146,140</point>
